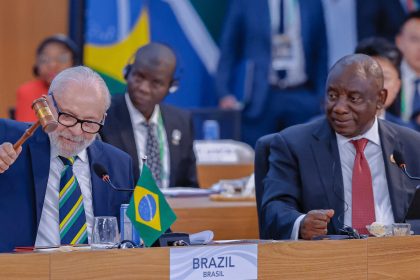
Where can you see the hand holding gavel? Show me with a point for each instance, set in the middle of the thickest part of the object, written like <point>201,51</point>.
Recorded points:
<point>9,152</point>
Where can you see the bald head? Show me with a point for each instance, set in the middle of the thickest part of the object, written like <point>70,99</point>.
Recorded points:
<point>156,54</point>
<point>150,77</point>
<point>360,65</point>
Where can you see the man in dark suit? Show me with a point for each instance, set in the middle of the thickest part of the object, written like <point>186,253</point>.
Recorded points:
<point>36,196</point>
<point>408,42</point>
<point>312,189</point>
<point>137,118</point>
<point>278,51</point>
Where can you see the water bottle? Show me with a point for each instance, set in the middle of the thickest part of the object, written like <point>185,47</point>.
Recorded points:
<point>128,232</point>
<point>211,130</point>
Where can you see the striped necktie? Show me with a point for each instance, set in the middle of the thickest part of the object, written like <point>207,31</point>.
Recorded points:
<point>72,213</point>
<point>153,153</point>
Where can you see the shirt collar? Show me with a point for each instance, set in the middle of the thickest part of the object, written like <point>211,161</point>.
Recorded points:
<point>372,134</point>
<point>81,156</point>
<point>137,117</point>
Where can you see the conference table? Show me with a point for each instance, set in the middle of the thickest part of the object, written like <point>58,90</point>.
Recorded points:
<point>227,219</point>
<point>372,258</point>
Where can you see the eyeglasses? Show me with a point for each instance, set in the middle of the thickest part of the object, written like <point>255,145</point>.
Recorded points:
<point>61,59</point>
<point>69,120</point>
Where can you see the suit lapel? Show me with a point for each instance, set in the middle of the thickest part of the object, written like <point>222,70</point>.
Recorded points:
<point>40,154</point>
<point>325,150</point>
<point>127,134</point>
<point>397,192</point>
<point>100,190</point>
<point>169,125</point>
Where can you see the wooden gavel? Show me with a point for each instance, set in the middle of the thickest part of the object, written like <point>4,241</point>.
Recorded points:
<point>45,119</point>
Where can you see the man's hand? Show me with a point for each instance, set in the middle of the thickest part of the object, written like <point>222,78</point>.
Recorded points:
<point>315,223</point>
<point>8,155</point>
<point>229,102</point>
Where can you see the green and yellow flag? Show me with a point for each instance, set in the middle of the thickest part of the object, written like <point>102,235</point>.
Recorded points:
<point>149,211</point>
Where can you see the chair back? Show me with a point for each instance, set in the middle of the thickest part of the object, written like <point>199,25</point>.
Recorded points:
<point>261,165</point>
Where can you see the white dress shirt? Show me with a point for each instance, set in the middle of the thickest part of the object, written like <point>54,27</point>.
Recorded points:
<point>48,230</point>
<point>140,137</point>
<point>373,154</point>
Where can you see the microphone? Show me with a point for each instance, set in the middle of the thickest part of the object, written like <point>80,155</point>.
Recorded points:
<point>399,161</point>
<point>102,173</point>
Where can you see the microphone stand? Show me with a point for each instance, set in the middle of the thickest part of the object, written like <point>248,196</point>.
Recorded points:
<point>106,179</point>
<point>404,170</point>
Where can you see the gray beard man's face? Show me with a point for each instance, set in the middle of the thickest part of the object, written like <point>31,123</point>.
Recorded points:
<point>68,145</point>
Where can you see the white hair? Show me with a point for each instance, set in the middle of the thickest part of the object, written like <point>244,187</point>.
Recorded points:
<point>84,77</point>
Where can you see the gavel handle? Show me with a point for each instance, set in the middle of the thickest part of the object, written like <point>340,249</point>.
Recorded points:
<point>28,133</point>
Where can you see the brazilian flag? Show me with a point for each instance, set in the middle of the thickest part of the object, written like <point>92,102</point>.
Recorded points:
<point>149,211</point>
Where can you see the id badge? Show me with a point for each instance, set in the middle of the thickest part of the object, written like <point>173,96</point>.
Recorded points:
<point>281,52</point>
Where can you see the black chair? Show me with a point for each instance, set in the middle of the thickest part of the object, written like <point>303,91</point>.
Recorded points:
<point>261,164</point>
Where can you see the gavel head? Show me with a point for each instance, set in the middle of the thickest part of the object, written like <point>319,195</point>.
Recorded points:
<point>44,115</point>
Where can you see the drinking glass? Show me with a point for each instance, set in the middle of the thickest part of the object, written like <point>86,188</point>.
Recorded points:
<point>401,229</point>
<point>105,233</point>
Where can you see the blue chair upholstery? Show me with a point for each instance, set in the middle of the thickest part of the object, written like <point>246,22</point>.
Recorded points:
<point>261,165</point>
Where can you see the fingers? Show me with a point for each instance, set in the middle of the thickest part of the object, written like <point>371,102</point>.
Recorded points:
<point>315,223</point>
<point>8,155</point>
<point>319,224</point>
<point>329,213</point>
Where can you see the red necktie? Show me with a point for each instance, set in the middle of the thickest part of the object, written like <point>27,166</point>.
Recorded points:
<point>363,207</point>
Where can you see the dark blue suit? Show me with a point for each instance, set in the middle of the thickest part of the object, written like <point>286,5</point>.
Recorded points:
<point>23,185</point>
<point>305,174</point>
<point>379,18</point>
<point>246,40</point>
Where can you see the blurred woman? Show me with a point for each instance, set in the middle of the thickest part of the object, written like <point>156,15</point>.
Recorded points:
<point>54,54</point>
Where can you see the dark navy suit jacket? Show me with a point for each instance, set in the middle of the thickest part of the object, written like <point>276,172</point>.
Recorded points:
<point>379,18</point>
<point>246,39</point>
<point>305,174</point>
<point>23,185</point>
<point>118,131</point>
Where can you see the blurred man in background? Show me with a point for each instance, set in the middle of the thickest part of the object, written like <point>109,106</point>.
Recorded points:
<point>139,124</point>
<point>389,58</point>
<point>408,41</point>
<point>278,50</point>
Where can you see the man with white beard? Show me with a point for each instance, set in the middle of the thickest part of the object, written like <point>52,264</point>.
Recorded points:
<point>49,194</point>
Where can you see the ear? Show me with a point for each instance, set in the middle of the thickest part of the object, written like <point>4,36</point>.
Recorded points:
<point>382,95</point>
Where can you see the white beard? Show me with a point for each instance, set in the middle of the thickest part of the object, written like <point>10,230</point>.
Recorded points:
<point>69,149</point>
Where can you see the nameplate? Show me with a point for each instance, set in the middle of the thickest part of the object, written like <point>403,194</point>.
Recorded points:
<point>234,262</point>
<point>216,153</point>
